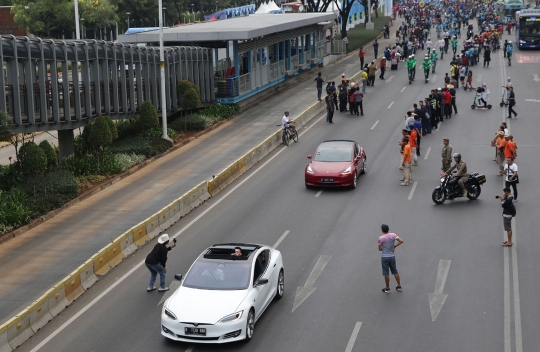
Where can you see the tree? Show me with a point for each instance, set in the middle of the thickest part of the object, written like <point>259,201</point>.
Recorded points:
<point>44,18</point>
<point>32,161</point>
<point>112,127</point>
<point>100,134</point>
<point>99,13</point>
<point>50,154</point>
<point>148,118</point>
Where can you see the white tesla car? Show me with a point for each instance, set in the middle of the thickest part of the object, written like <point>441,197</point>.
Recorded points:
<point>224,293</point>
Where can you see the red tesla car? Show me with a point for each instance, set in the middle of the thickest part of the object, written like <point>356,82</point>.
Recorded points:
<point>336,163</point>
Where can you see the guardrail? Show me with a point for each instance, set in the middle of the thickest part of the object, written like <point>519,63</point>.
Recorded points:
<point>25,324</point>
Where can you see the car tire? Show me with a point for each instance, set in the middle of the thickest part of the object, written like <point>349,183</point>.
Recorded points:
<point>280,290</point>
<point>308,186</point>
<point>353,186</point>
<point>250,325</point>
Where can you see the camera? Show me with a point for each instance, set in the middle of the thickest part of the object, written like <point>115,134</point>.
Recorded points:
<point>174,239</point>
<point>497,197</point>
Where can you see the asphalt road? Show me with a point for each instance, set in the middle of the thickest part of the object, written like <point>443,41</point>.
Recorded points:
<point>487,308</point>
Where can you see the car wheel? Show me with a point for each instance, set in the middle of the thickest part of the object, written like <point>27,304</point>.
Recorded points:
<point>308,186</point>
<point>250,325</point>
<point>353,186</point>
<point>280,285</point>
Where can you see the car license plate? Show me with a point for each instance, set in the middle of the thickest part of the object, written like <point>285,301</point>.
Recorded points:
<point>196,331</point>
<point>327,180</point>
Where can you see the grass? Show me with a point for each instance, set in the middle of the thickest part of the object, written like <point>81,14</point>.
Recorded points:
<point>359,35</point>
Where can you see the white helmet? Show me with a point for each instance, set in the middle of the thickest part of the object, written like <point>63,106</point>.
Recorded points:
<point>509,42</point>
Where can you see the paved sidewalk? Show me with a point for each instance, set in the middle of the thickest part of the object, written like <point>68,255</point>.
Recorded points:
<point>33,262</point>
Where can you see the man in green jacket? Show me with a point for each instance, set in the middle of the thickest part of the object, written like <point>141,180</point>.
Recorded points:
<point>426,65</point>
<point>411,67</point>
<point>434,57</point>
<point>454,43</point>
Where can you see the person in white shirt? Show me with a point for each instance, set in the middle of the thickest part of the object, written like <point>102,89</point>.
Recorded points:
<point>285,123</point>
<point>428,45</point>
<point>441,47</point>
<point>507,86</point>
<point>511,171</point>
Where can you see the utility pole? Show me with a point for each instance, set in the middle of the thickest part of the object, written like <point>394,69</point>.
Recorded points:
<point>162,73</point>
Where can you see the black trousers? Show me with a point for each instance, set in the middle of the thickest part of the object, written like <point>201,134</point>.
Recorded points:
<point>359,105</point>
<point>371,80</point>
<point>383,69</point>
<point>454,105</point>
<point>361,63</point>
<point>514,187</point>
<point>342,103</point>
<point>510,111</point>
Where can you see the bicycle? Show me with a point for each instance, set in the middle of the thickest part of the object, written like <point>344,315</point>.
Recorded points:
<point>289,133</point>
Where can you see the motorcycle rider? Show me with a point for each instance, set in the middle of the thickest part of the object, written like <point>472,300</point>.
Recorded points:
<point>462,173</point>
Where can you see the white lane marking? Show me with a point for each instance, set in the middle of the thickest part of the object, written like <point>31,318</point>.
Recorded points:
<point>517,302</point>
<point>318,193</point>
<point>479,79</point>
<point>303,292</point>
<point>390,79</point>
<point>354,334</point>
<point>536,79</point>
<point>427,153</point>
<point>136,267</point>
<point>434,78</point>
<point>281,238</point>
<point>389,106</point>
<point>507,319</point>
<point>403,89</point>
<point>190,348</point>
<point>437,298</point>
<point>412,190</point>
<point>375,124</point>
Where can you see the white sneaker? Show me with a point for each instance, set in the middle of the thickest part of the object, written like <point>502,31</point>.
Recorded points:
<point>151,288</point>
<point>163,289</point>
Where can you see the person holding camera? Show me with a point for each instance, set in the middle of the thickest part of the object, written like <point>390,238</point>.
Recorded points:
<point>511,171</point>
<point>155,262</point>
<point>509,211</point>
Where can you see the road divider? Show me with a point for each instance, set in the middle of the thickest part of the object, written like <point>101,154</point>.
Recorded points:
<point>25,324</point>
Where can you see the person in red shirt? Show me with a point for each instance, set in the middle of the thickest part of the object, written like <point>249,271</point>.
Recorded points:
<point>382,65</point>
<point>447,103</point>
<point>361,55</point>
<point>413,137</point>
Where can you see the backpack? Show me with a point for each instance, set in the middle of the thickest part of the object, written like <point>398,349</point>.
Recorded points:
<point>513,208</point>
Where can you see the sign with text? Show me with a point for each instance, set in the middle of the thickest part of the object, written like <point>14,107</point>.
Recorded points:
<point>528,58</point>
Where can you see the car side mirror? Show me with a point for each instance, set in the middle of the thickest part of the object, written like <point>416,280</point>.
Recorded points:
<point>309,156</point>
<point>178,277</point>
<point>261,282</point>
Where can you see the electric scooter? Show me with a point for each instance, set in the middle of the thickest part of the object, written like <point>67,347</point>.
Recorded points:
<point>476,105</point>
<point>504,102</point>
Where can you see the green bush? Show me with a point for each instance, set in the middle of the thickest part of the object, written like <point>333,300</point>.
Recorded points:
<point>126,128</point>
<point>191,99</point>
<point>148,117</point>
<point>13,211</point>
<point>50,154</point>
<point>157,132</point>
<point>32,160</point>
<point>86,182</point>
<point>159,145</point>
<point>112,127</point>
<point>221,111</point>
<point>134,145</point>
<point>184,85</point>
<point>128,160</point>
<point>9,177</point>
<point>100,134</point>
<point>192,122</point>
<point>103,163</point>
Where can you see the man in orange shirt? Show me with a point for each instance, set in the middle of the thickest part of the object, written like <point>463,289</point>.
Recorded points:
<point>407,155</point>
<point>500,145</point>
<point>413,137</point>
<point>510,148</point>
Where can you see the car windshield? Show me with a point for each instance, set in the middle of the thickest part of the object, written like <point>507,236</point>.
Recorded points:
<point>529,27</point>
<point>218,276</point>
<point>333,154</point>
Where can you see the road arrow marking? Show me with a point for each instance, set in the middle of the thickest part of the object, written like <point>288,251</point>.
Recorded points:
<point>536,79</point>
<point>305,291</point>
<point>389,79</point>
<point>174,285</point>
<point>437,298</point>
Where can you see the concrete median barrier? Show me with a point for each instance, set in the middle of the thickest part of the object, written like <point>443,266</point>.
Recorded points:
<point>72,286</point>
<point>194,200</point>
<point>165,218</point>
<point>152,226</point>
<point>18,329</point>
<point>114,252</point>
<point>101,262</point>
<point>4,344</point>
<point>175,211</point>
<point>202,191</point>
<point>88,278</point>
<point>139,234</point>
<point>57,299</point>
<point>185,208</point>
<point>39,313</point>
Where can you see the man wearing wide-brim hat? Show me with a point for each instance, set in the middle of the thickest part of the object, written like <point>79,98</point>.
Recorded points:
<point>156,261</point>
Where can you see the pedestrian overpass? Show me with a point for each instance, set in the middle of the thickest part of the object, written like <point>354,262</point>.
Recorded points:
<point>63,85</point>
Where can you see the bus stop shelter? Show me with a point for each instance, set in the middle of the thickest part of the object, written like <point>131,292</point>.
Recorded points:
<point>266,48</point>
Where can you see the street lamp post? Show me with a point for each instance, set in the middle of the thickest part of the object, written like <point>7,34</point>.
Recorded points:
<point>162,73</point>
<point>77,34</point>
<point>82,28</point>
<point>164,17</point>
<point>193,13</point>
<point>128,14</point>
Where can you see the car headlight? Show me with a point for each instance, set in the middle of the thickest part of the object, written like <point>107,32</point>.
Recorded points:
<point>232,317</point>
<point>522,41</point>
<point>168,314</point>
<point>347,171</point>
<point>310,170</point>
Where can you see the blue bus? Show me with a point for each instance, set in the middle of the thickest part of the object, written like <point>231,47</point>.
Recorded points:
<point>528,29</point>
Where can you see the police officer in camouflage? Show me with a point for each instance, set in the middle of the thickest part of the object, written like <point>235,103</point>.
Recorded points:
<point>446,155</point>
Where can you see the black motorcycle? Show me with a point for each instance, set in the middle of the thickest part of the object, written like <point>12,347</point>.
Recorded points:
<point>449,188</point>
